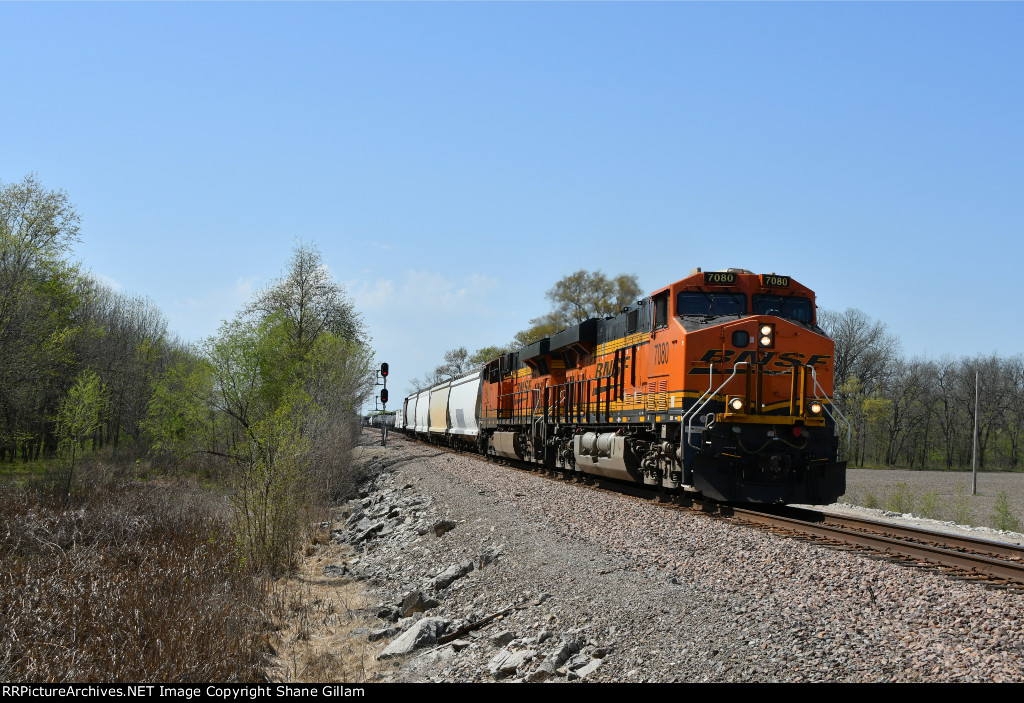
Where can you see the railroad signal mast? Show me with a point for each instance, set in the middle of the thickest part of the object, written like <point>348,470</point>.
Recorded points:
<point>384,404</point>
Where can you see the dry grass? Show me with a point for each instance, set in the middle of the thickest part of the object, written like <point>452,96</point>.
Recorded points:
<point>143,582</point>
<point>876,488</point>
<point>126,583</point>
<point>314,616</point>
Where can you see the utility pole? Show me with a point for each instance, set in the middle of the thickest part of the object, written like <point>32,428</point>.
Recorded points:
<point>974,453</point>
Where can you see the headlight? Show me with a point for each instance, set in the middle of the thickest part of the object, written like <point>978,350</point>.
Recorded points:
<point>815,408</point>
<point>766,329</point>
<point>766,335</point>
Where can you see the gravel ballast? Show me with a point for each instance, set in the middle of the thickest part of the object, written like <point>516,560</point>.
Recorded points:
<point>571,583</point>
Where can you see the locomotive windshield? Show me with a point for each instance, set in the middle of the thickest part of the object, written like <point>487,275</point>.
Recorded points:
<point>705,303</point>
<point>789,307</point>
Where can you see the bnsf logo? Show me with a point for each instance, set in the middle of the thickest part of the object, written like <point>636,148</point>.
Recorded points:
<point>607,368</point>
<point>786,359</point>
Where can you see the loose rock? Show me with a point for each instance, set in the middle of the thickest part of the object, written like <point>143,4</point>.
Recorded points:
<point>421,634</point>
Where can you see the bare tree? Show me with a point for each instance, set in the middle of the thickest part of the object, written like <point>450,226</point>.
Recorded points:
<point>309,301</point>
<point>1014,416</point>
<point>905,395</point>
<point>864,347</point>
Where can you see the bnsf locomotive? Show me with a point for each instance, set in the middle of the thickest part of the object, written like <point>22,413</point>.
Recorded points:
<point>719,384</point>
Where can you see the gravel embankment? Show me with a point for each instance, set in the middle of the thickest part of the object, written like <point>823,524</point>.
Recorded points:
<point>618,589</point>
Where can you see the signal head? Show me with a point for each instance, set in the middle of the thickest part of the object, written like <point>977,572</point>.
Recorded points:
<point>384,369</point>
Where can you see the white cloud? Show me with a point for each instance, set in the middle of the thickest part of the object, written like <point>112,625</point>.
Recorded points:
<point>414,317</point>
<point>198,317</point>
<point>426,292</point>
<point>379,294</point>
<point>107,281</point>
<point>244,289</point>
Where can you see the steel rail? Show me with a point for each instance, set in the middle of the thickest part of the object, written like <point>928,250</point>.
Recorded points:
<point>1013,552</point>
<point>980,564</point>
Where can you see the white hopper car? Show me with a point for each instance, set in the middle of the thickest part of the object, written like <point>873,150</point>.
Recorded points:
<point>447,413</point>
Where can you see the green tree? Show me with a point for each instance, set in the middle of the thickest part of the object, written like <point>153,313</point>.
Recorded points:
<point>273,398</point>
<point>585,294</point>
<point>39,295</point>
<point>270,484</point>
<point>179,418</point>
<point>258,410</point>
<point>125,339</point>
<point>486,355</point>
<point>80,415</point>
<point>577,297</point>
<point>540,327</point>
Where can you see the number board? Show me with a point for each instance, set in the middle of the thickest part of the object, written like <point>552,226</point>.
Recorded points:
<point>773,281</point>
<point>719,278</point>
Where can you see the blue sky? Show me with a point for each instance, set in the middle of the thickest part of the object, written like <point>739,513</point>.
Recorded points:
<point>453,160</point>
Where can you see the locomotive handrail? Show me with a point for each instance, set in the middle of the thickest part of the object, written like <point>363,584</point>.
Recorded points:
<point>711,381</point>
<point>814,377</point>
<point>518,410</point>
<point>694,413</point>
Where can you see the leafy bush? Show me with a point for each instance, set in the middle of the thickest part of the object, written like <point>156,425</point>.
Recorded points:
<point>1003,518</point>
<point>901,501</point>
<point>930,505</point>
<point>963,514</point>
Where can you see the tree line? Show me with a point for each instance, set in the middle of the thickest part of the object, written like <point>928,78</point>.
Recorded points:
<point>268,407</point>
<point>61,328</point>
<point>917,412</point>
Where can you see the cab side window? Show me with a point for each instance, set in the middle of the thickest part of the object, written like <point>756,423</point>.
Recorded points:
<point>661,310</point>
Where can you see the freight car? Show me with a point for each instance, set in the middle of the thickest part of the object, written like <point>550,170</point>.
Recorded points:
<point>719,384</point>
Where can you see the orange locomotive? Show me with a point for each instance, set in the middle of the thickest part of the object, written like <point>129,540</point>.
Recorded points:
<point>718,384</point>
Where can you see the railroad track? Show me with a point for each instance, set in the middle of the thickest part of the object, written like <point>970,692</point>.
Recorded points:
<point>993,562</point>
<point>997,562</point>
